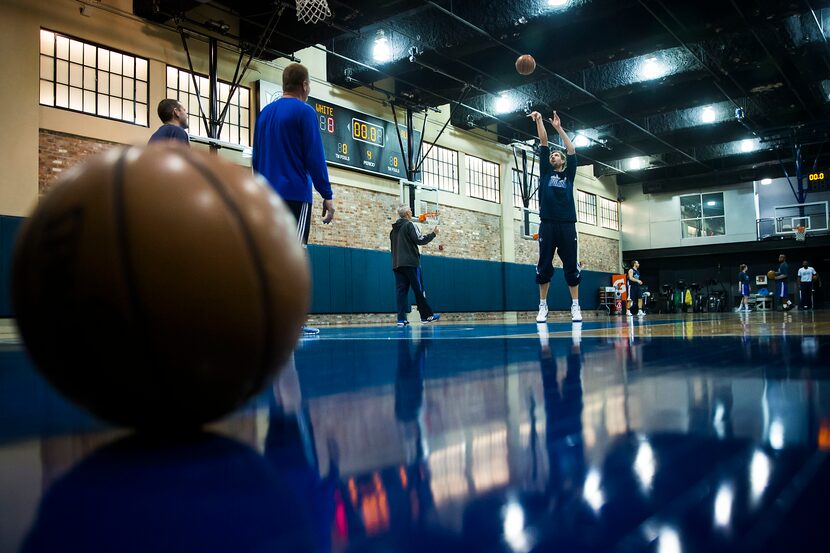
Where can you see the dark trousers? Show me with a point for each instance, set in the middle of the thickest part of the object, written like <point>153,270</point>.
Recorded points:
<point>560,238</point>
<point>806,295</point>
<point>406,278</point>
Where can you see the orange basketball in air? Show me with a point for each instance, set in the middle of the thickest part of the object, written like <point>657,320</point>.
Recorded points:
<point>525,64</point>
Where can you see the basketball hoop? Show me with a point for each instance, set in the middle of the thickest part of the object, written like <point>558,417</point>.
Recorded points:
<point>312,11</point>
<point>430,218</point>
<point>800,233</point>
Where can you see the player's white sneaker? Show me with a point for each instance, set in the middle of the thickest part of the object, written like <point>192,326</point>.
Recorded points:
<point>543,314</point>
<point>641,314</point>
<point>576,314</point>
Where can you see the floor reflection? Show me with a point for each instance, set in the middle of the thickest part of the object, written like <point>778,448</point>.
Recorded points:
<point>422,440</point>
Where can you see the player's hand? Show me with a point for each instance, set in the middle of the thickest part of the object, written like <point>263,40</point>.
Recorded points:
<point>435,231</point>
<point>557,124</point>
<point>328,211</point>
<point>535,116</point>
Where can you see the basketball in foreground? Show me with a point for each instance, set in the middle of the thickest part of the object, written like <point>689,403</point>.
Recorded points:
<point>525,64</point>
<point>159,286</point>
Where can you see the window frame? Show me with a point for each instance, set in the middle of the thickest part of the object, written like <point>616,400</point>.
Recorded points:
<point>684,221</point>
<point>586,211</point>
<point>226,127</point>
<point>483,177</point>
<point>97,92</point>
<point>603,210</point>
<point>428,161</point>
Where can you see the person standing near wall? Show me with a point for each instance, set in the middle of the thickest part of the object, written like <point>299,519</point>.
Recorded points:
<point>743,290</point>
<point>173,116</point>
<point>781,290</point>
<point>557,211</point>
<point>406,264</point>
<point>288,151</point>
<point>634,290</point>
<point>805,278</point>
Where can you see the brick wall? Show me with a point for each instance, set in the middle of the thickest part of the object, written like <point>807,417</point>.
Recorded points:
<point>364,218</point>
<point>58,151</point>
<point>596,253</point>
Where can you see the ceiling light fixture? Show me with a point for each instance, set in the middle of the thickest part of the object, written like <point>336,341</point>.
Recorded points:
<point>557,3</point>
<point>652,69</point>
<point>634,163</point>
<point>581,141</point>
<point>747,145</point>
<point>381,52</point>
<point>707,115</point>
<point>766,181</point>
<point>503,104</point>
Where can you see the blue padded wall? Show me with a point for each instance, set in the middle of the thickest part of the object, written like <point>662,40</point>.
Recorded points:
<point>351,280</point>
<point>8,230</point>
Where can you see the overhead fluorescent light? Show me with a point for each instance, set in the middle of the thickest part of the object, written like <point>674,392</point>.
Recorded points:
<point>634,163</point>
<point>381,52</point>
<point>652,68</point>
<point>581,141</point>
<point>708,115</point>
<point>747,145</point>
<point>766,181</point>
<point>503,104</point>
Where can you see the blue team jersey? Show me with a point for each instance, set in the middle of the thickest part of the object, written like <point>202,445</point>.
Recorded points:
<point>556,189</point>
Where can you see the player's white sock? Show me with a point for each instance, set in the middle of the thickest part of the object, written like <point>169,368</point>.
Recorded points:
<point>575,302</point>
<point>543,303</point>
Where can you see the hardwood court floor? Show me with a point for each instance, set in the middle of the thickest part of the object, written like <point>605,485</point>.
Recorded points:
<point>676,433</point>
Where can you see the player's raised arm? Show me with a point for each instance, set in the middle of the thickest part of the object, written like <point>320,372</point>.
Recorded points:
<point>540,127</point>
<point>557,124</point>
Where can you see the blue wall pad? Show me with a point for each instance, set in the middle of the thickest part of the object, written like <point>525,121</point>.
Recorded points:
<point>352,280</point>
<point>8,231</point>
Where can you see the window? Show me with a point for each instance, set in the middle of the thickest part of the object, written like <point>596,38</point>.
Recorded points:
<point>88,78</point>
<point>440,168</point>
<point>517,191</point>
<point>483,179</point>
<point>609,216</point>
<point>702,215</point>
<point>586,208</point>
<point>237,119</point>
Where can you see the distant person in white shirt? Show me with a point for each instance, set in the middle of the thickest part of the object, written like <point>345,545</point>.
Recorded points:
<point>805,278</point>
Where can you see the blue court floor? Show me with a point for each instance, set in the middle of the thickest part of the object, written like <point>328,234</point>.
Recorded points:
<point>675,434</point>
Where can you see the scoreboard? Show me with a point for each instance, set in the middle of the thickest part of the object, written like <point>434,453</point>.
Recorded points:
<point>359,141</point>
<point>818,181</point>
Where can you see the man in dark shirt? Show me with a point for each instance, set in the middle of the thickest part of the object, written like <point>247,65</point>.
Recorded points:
<point>781,289</point>
<point>557,230</point>
<point>406,263</point>
<point>173,115</point>
<point>743,288</point>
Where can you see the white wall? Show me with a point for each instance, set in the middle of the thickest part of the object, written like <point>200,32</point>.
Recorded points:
<point>652,221</point>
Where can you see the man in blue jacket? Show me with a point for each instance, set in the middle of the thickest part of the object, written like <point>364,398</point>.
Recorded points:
<point>288,151</point>
<point>173,116</point>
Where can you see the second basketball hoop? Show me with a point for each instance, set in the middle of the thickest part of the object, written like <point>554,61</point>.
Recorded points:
<point>312,11</point>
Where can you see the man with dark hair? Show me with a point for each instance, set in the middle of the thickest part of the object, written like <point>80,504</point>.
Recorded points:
<point>288,152</point>
<point>406,264</point>
<point>635,293</point>
<point>557,230</point>
<point>173,115</point>
<point>781,290</point>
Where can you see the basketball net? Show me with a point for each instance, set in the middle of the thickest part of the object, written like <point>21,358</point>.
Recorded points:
<point>312,11</point>
<point>800,233</point>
